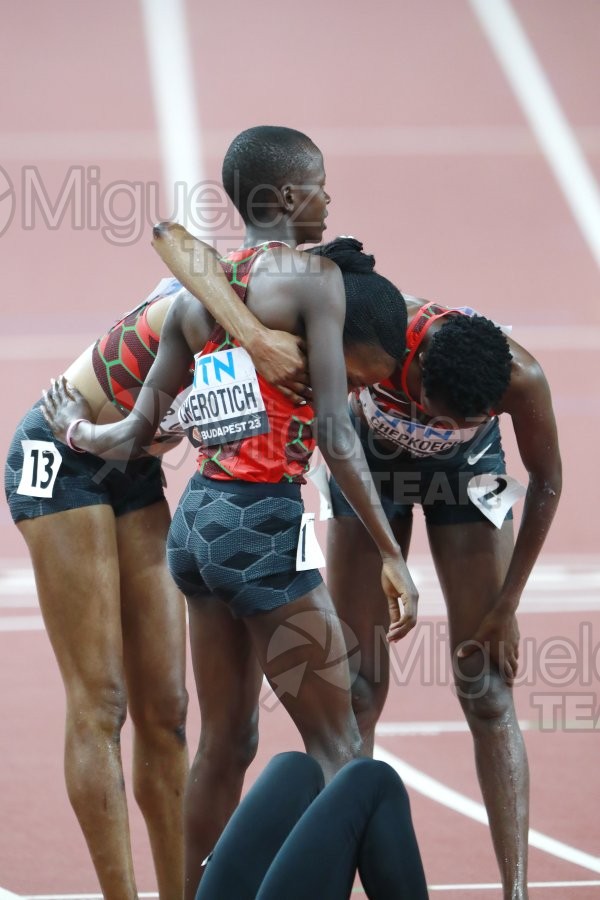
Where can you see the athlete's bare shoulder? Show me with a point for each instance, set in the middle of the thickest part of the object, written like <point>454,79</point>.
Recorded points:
<point>189,316</point>
<point>292,282</point>
<point>527,379</point>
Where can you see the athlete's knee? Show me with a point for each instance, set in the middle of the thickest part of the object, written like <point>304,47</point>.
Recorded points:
<point>375,777</point>
<point>368,699</point>
<point>481,690</point>
<point>335,747</point>
<point>103,709</point>
<point>227,746</point>
<point>295,767</point>
<point>165,714</point>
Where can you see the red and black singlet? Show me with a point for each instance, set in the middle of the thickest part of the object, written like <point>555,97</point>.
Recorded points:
<point>282,454</point>
<point>123,356</point>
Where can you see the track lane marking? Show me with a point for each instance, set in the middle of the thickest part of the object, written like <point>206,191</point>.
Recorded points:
<point>446,796</point>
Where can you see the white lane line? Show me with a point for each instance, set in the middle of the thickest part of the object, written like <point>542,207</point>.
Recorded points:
<point>458,802</point>
<point>8,895</point>
<point>548,122</point>
<point>172,79</point>
<point>21,623</point>
<point>578,576</point>
<point>498,887</point>
<point>407,729</point>
<point>75,896</point>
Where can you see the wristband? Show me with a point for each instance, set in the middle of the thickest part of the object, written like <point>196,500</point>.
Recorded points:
<point>68,436</point>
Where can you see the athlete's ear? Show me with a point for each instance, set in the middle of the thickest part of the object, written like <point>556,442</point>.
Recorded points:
<point>288,197</point>
<point>421,359</point>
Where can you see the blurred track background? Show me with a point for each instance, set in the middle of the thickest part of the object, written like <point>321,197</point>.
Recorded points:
<point>462,145</point>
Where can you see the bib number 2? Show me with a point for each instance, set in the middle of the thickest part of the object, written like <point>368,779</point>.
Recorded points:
<point>41,462</point>
<point>495,495</point>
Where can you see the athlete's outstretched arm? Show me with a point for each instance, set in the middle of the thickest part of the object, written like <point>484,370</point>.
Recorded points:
<point>186,329</point>
<point>529,403</point>
<point>277,355</point>
<point>323,308</point>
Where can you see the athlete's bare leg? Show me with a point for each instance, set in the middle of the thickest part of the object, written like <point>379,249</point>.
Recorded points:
<point>229,657</point>
<point>228,681</point>
<point>471,561</point>
<point>154,637</point>
<point>74,555</point>
<point>361,604</point>
<point>302,651</point>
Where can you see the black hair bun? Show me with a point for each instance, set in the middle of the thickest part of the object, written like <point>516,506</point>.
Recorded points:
<point>346,252</point>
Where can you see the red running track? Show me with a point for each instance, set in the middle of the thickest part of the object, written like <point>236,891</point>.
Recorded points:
<point>432,162</point>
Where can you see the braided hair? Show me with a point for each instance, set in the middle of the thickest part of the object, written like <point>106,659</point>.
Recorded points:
<point>375,308</point>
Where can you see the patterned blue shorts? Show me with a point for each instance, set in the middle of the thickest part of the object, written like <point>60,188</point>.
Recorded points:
<point>238,539</point>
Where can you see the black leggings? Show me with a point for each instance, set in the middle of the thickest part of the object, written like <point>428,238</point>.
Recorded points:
<point>291,838</point>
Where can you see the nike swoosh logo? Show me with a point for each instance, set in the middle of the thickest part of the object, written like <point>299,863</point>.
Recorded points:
<point>475,457</point>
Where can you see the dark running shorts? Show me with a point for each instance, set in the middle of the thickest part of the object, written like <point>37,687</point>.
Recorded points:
<point>439,486</point>
<point>238,539</point>
<point>80,479</point>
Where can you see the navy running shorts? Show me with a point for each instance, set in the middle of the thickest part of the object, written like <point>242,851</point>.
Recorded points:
<point>238,540</point>
<point>438,485</point>
<point>42,476</point>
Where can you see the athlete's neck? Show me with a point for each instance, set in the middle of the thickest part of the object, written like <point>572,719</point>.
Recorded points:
<point>260,234</point>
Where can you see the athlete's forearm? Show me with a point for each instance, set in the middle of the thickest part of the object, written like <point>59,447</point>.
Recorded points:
<point>344,455</point>
<point>121,440</point>
<point>68,414</point>
<point>541,502</point>
<point>196,265</point>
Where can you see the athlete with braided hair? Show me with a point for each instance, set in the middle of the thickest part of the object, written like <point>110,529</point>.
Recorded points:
<point>430,435</point>
<point>232,546</point>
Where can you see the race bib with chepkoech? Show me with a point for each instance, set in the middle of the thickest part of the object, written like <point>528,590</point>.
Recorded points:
<point>225,402</point>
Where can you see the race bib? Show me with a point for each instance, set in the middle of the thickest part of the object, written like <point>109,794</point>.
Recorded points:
<point>416,438</point>
<point>41,462</point>
<point>225,402</point>
<point>308,553</point>
<point>318,475</point>
<point>495,495</point>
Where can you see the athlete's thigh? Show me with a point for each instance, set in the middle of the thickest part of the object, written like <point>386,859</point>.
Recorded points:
<point>75,560</point>
<point>471,561</point>
<point>302,650</point>
<point>227,674</point>
<point>152,608</point>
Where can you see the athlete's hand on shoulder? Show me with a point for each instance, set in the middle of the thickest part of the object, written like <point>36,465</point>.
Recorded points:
<point>63,404</point>
<point>280,358</point>
<point>498,636</point>
<point>402,596</point>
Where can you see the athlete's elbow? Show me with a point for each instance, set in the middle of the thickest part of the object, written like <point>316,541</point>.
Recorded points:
<point>335,436</point>
<point>549,486</point>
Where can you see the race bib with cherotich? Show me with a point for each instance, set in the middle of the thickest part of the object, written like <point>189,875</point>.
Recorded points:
<point>224,403</point>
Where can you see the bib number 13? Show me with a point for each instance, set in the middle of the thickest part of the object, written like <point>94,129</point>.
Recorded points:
<point>41,462</point>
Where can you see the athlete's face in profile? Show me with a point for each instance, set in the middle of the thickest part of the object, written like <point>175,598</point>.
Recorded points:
<point>311,201</point>
<point>367,364</point>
